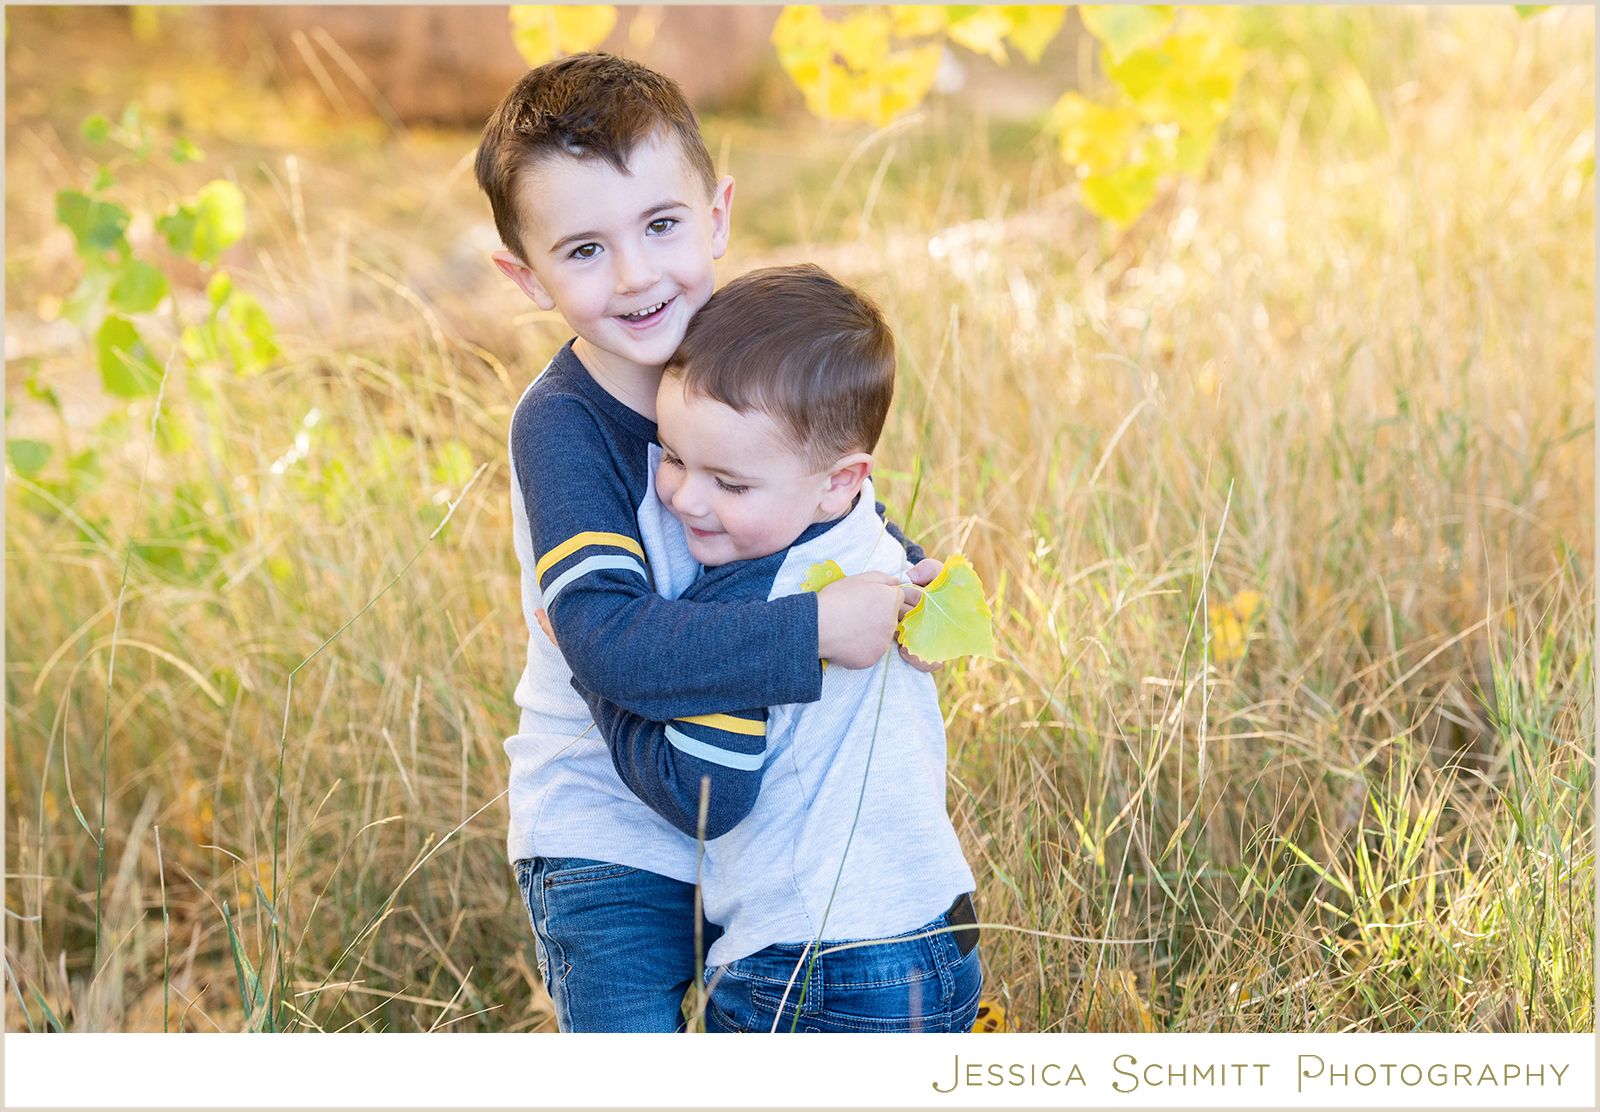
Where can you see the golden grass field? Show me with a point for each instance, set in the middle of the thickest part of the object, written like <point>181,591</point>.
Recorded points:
<point>1284,499</point>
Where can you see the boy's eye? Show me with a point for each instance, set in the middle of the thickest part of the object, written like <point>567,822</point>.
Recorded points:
<point>731,488</point>
<point>670,460</point>
<point>661,226</point>
<point>587,251</point>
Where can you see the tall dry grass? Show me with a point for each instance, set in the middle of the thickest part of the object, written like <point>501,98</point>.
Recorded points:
<point>1351,371</point>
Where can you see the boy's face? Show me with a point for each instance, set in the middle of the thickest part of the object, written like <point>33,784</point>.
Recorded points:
<point>737,483</point>
<point>625,258</point>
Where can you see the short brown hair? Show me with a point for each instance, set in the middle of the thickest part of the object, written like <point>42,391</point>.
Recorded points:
<point>800,346</point>
<point>583,106</point>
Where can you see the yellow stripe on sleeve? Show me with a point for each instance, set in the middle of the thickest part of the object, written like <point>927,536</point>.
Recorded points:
<point>584,540</point>
<point>729,723</point>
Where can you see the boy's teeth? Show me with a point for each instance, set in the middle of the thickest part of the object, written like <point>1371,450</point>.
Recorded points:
<point>642,313</point>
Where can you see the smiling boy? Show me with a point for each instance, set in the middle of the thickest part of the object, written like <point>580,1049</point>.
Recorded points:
<point>611,214</point>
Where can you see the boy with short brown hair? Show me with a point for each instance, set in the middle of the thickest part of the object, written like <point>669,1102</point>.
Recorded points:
<point>768,414</point>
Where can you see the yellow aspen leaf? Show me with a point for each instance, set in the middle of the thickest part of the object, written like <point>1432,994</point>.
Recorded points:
<point>1230,625</point>
<point>911,21</point>
<point>847,68</point>
<point>820,575</point>
<point>1113,1003</point>
<point>1245,604</point>
<point>991,1019</point>
<point>541,32</point>
<point>1124,28</point>
<point>862,40</point>
<point>1092,136</point>
<point>1227,636</point>
<point>983,32</point>
<point>1033,26</point>
<point>1121,195</point>
<point>952,618</point>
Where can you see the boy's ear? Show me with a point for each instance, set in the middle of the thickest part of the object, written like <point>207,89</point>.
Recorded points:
<point>721,213</point>
<point>522,274</point>
<point>844,481</point>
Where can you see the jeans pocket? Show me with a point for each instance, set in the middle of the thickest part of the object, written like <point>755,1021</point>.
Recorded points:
<point>556,871</point>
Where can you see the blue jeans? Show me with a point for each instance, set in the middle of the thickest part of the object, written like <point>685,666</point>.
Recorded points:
<point>615,943</point>
<point>902,984</point>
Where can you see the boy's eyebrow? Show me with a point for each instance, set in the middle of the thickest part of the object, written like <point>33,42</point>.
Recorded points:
<point>583,237</point>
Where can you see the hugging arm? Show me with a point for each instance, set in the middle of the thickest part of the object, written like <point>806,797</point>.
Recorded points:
<point>624,643</point>
<point>666,763</point>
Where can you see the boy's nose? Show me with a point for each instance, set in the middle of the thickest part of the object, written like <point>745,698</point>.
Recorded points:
<point>685,501</point>
<point>635,272</point>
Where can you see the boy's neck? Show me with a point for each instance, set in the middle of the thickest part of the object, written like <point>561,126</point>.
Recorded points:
<point>632,384</point>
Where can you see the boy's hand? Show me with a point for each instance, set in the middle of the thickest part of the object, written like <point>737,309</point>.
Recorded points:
<point>856,618</point>
<point>921,574</point>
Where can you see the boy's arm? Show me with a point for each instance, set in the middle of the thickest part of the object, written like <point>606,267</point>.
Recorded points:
<point>664,763</point>
<point>652,657</point>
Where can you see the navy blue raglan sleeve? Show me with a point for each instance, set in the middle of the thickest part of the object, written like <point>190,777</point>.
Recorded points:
<point>666,763</point>
<point>658,658</point>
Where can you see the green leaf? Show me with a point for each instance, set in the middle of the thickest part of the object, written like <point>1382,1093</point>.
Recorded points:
<point>28,456</point>
<point>41,391</point>
<point>97,225</point>
<point>1124,28</point>
<point>250,990</point>
<point>1528,11</point>
<point>185,151</point>
<point>219,288</point>
<point>126,366</point>
<point>50,1017</point>
<point>178,228</point>
<point>952,618</point>
<point>139,287</point>
<point>218,219</point>
<point>102,180</point>
<point>88,300</point>
<point>95,128</point>
<point>820,575</point>
<point>252,341</point>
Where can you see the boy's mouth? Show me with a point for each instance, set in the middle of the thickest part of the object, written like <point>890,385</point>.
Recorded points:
<point>649,312</point>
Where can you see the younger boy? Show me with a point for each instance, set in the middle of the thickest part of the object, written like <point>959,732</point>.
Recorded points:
<point>768,413</point>
<point>605,197</point>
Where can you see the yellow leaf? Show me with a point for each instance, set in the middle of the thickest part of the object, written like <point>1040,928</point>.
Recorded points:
<point>1227,637</point>
<point>862,40</point>
<point>847,69</point>
<point>1245,604</point>
<point>912,20</point>
<point>541,32</point>
<point>1033,26</point>
<point>991,1019</point>
<point>1121,195</point>
<point>820,575</point>
<point>1124,28</point>
<point>1230,624</point>
<point>952,618</point>
<point>983,32</point>
<point>1092,136</point>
